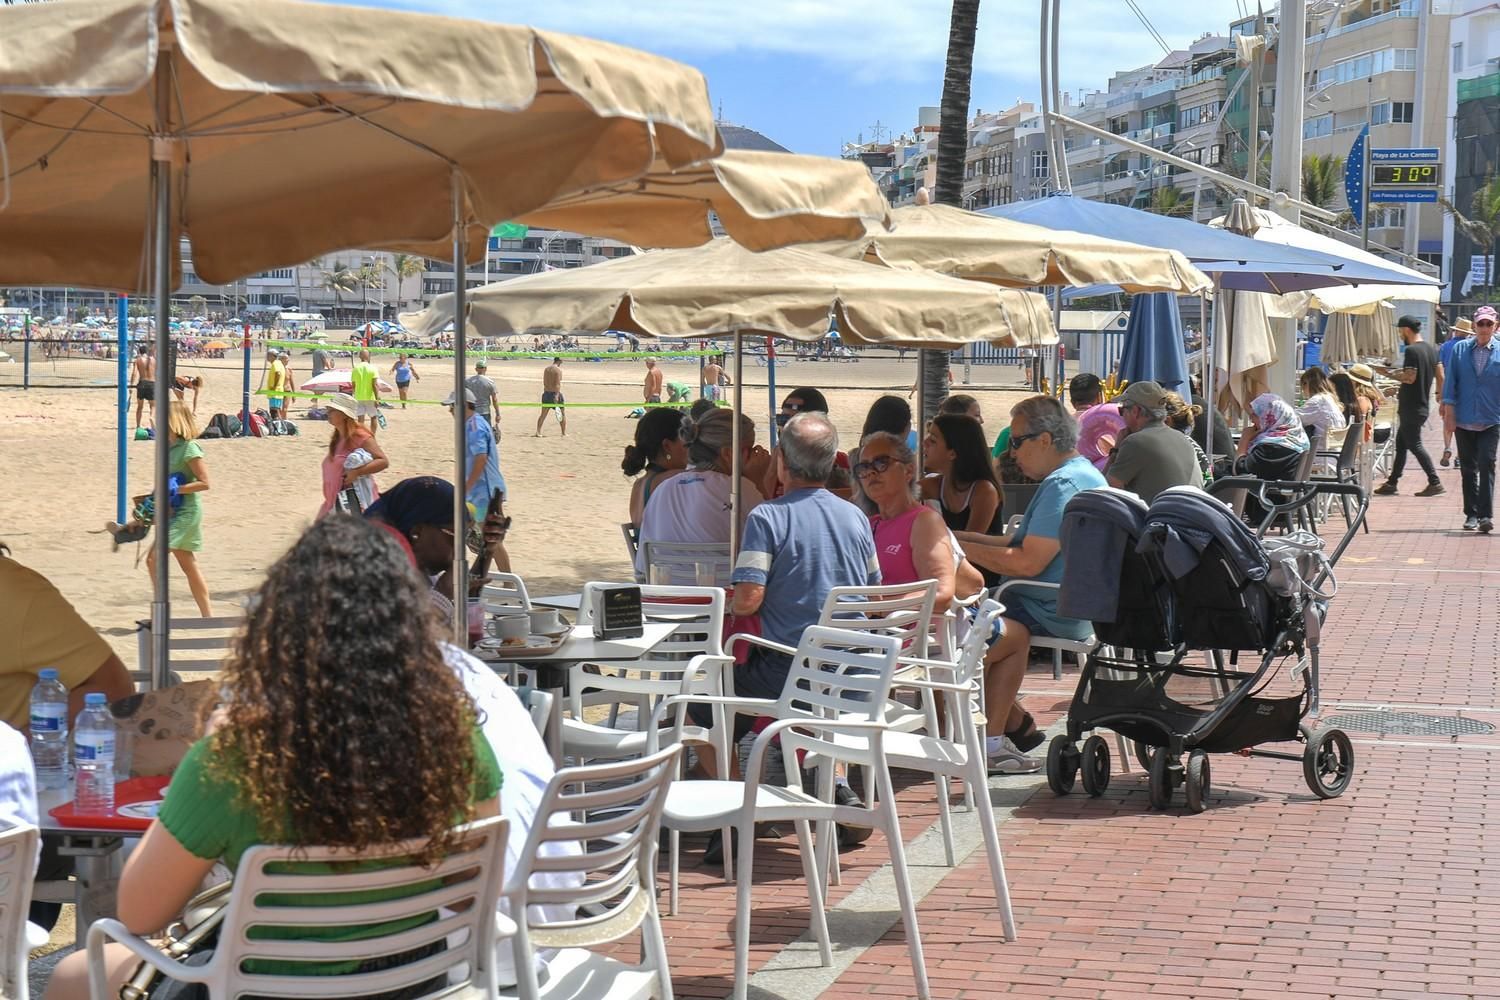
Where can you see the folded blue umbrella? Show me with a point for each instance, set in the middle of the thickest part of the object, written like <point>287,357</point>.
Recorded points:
<point>1153,343</point>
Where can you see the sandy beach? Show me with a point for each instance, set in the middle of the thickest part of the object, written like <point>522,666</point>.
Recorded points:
<point>567,494</point>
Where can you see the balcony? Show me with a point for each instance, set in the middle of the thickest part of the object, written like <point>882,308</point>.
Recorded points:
<point>1407,9</point>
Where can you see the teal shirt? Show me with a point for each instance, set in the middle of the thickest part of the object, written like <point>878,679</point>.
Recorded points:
<point>1043,518</point>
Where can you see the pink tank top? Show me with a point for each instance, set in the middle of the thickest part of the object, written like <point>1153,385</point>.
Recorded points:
<point>893,547</point>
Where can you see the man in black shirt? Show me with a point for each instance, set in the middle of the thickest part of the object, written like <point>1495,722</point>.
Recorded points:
<point>1412,399</point>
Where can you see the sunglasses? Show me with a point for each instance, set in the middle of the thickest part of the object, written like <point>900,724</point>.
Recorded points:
<point>1484,322</point>
<point>1017,440</point>
<point>875,466</point>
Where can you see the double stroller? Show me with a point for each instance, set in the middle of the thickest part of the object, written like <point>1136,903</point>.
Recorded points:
<point>1207,636</point>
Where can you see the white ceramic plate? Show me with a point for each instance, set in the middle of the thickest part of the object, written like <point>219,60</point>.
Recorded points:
<point>140,810</point>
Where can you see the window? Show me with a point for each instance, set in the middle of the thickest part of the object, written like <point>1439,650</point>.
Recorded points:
<point>1380,114</point>
<point>1039,166</point>
<point>1435,259</point>
<point>1216,154</point>
<point>1366,65</point>
<point>1401,112</point>
<point>437,286</point>
<point>1314,128</point>
<point>1406,59</point>
<point>1199,114</point>
<point>1458,55</point>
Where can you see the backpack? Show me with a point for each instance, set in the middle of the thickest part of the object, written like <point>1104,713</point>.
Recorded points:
<point>210,432</point>
<point>258,426</point>
<point>225,425</point>
<point>283,427</point>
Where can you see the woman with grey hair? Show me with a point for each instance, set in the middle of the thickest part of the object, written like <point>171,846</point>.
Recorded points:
<point>693,506</point>
<point>1044,439</point>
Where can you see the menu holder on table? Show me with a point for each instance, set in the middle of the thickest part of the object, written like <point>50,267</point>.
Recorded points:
<point>617,613</point>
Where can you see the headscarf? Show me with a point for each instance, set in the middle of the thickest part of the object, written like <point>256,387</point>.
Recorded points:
<point>1278,423</point>
<point>415,501</point>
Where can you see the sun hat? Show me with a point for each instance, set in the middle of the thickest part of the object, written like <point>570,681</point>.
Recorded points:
<point>469,398</point>
<point>1363,374</point>
<point>1463,325</point>
<point>344,403</point>
<point>1145,394</point>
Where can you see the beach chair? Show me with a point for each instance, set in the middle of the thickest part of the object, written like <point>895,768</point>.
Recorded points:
<point>447,912</point>
<point>194,646</point>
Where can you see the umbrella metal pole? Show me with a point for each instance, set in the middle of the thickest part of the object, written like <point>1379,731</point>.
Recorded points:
<point>736,464</point>
<point>1210,400</point>
<point>122,400</point>
<point>161,194</point>
<point>460,418</point>
<point>771,386</point>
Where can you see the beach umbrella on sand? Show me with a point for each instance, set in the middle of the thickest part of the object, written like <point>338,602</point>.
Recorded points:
<point>217,345</point>
<point>270,131</point>
<point>723,289</point>
<point>338,380</point>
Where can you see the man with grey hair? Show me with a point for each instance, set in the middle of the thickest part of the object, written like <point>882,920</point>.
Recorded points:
<point>1043,438</point>
<point>1150,456</point>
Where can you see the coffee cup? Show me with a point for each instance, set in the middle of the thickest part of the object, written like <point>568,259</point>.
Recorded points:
<point>544,621</point>
<point>510,626</point>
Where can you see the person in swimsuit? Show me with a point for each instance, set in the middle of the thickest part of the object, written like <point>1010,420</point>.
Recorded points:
<point>145,379</point>
<point>658,451</point>
<point>655,377</point>
<point>404,371</point>
<point>964,485</point>
<point>552,394</point>
<point>182,383</point>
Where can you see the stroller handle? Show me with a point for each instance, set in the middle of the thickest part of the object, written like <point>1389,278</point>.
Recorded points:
<point>1281,496</point>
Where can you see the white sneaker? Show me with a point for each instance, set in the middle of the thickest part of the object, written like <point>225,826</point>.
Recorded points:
<point>1006,759</point>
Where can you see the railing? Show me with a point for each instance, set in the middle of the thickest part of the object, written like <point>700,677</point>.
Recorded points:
<point>1479,88</point>
<point>1407,9</point>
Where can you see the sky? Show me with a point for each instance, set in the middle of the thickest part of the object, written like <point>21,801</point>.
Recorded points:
<point>813,74</point>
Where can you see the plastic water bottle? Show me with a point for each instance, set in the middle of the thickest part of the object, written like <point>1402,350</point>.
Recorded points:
<point>94,757</point>
<point>49,731</point>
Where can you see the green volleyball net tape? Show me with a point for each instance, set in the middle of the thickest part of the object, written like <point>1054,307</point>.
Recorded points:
<point>433,352</point>
<point>394,402</point>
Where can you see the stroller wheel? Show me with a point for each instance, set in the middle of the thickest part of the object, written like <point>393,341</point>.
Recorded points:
<point>1328,763</point>
<point>1160,783</point>
<point>1095,765</point>
<point>1195,781</point>
<point>1062,764</point>
<point>1144,753</point>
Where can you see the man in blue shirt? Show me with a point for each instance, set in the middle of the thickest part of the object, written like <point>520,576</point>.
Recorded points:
<point>1471,407</point>
<point>1044,438</point>
<point>482,476</point>
<point>1461,330</point>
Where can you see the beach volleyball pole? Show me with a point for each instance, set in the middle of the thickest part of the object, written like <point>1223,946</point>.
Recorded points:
<point>245,384</point>
<point>771,367</point>
<point>122,400</point>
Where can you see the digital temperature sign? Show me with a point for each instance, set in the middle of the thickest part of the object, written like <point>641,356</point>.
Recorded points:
<point>1404,175</point>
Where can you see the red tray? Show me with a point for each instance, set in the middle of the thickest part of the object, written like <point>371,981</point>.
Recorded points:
<point>128,792</point>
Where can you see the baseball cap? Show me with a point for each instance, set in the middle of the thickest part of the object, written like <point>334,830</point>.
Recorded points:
<point>481,364</point>
<point>1148,395</point>
<point>1486,312</point>
<point>1410,322</point>
<point>469,398</point>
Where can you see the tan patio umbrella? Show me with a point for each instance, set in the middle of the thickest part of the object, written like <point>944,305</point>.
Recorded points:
<point>269,131</point>
<point>1375,333</point>
<point>985,248</point>
<point>1339,347</point>
<point>1243,344</point>
<point>723,289</point>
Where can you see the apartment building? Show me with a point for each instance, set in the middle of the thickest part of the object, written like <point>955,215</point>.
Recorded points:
<point>1473,105</point>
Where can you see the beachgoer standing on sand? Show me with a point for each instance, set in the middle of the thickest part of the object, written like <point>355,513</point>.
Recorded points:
<point>552,394</point>
<point>404,371</point>
<point>319,361</point>
<point>712,375</point>
<point>182,383</point>
<point>348,437</point>
<point>276,384</point>
<point>651,391</point>
<point>486,395</point>
<point>366,390</point>
<point>145,379</point>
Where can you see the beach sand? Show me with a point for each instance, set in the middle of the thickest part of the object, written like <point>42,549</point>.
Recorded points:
<point>567,494</point>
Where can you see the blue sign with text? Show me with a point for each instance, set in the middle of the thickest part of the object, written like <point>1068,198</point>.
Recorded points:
<point>1403,194</point>
<point>1424,154</point>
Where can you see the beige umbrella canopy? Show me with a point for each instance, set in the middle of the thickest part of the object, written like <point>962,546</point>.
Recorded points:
<point>762,200</point>
<point>982,247</point>
<point>723,289</point>
<point>1375,332</point>
<point>296,129</point>
<point>1339,347</point>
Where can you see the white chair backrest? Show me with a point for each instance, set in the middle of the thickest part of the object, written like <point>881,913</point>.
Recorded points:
<point>194,646</point>
<point>903,610</point>
<point>460,890</point>
<point>837,675</point>
<point>504,591</point>
<point>698,613</point>
<point>612,882</point>
<point>17,861</point>
<point>692,564</point>
<point>632,538</point>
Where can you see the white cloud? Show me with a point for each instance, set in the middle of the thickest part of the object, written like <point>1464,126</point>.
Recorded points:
<point>870,39</point>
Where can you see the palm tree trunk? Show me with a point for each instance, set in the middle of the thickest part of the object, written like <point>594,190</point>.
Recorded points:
<point>953,141</point>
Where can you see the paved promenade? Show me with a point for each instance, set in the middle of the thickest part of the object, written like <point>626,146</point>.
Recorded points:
<point>1389,891</point>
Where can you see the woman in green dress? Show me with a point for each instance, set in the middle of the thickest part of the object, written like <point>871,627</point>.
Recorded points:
<point>342,726</point>
<point>185,526</point>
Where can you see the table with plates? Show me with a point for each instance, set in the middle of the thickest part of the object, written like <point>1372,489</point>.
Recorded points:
<point>95,850</point>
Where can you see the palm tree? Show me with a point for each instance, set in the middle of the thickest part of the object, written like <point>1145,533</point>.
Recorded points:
<point>368,275</point>
<point>953,140</point>
<point>1170,201</point>
<point>1481,225</point>
<point>1322,179</point>
<point>339,280</point>
<point>403,266</point>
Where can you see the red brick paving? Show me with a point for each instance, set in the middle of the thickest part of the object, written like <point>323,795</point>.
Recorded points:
<point>1271,893</point>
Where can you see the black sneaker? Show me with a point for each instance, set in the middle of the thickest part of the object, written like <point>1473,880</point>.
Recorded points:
<point>1432,489</point>
<point>1486,526</point>
<point>849,835</point>
<point>1386,490</point>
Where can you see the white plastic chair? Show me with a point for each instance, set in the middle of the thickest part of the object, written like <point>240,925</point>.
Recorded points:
<point>461,890</point>
<point>689,564</point>
<point>1079,648</point>
<point>17,935</point>
<point>837,685</point>
<point>504,592</point>
<point>615,891</point>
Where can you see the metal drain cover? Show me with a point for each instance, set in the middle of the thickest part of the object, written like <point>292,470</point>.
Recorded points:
<point>1409,724</point>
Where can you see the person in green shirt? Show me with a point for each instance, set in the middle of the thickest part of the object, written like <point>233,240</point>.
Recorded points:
<point>342,726</point>
<point>366,384</point>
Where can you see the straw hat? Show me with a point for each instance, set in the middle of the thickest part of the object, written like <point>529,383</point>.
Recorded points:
<point>1363,374</point>
<point>344,403</point>
<point>1463,325</point>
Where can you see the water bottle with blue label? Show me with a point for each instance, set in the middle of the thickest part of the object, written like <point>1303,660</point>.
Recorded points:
<point>49,731</point>
<point>94,757</point>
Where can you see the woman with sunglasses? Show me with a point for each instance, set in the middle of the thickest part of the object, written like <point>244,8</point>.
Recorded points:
<point>801,400</point>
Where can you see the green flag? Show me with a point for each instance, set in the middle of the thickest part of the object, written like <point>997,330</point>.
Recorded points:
<point>510,231</point>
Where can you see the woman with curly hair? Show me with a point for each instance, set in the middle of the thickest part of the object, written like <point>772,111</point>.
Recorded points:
<point>342,726</point>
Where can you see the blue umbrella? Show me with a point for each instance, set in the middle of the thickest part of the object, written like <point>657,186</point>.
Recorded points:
<point>1153,343</point>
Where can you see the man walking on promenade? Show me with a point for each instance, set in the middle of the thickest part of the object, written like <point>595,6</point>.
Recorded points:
<point>552,394</point>
<point>1461,330</point>
<point>1471,406</point>
<point>1412,399</point>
